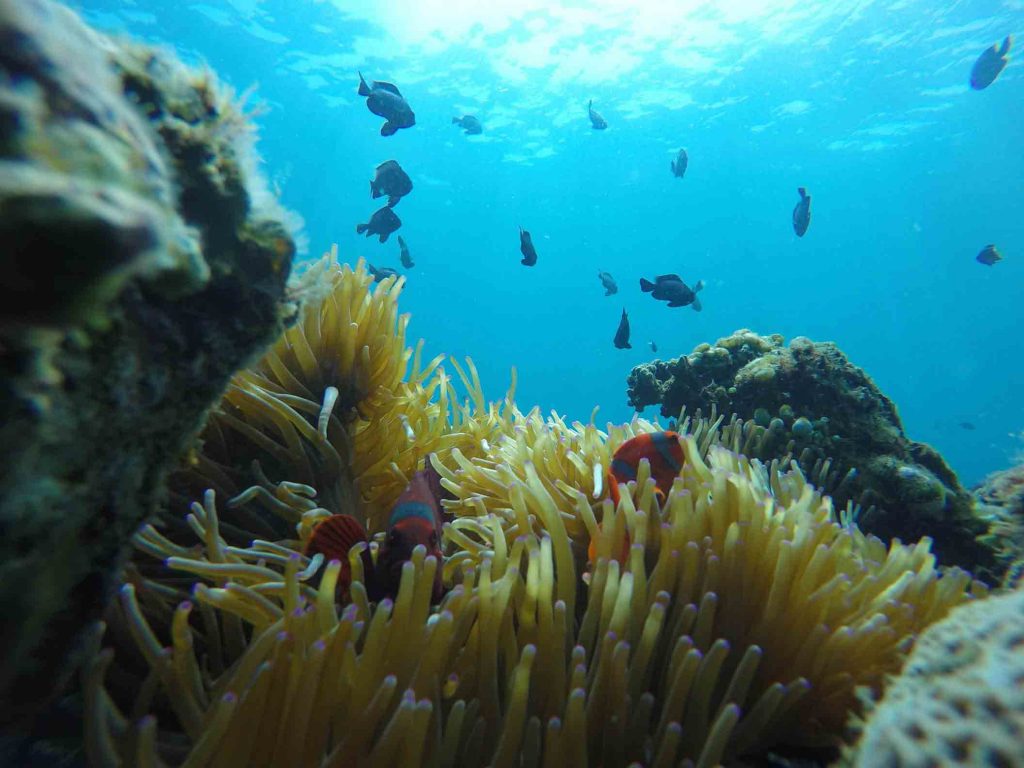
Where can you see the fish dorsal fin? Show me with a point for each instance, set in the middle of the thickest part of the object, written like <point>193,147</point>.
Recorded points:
<point>386,87</point>
<point>663,278</point>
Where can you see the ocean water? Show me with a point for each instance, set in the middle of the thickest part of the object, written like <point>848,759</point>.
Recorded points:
<point>866,104</point>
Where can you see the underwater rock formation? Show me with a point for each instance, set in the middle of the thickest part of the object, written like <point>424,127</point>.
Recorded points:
<point>960,697</point>
<point>1001,496</point>
<point>812,403</point>
<point>142,263</point>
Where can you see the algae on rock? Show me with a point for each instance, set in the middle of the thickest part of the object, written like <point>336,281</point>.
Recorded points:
<point>143,262</point>
<point>812,403</point>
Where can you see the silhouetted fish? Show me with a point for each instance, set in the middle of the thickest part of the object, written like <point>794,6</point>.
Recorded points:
<point>596,121</point>
<point>621,339</point>
<point>526,246</point>
<point>608,282</point>
<point>654,347</point>
<point>672,289</point>
<point>678,165</point>
<point>802,213</point>
<point>383,223</point>
<point>967,425</point>
<point>381,273</point>
<point>389,179</point>
<point>384,100</point>
<point>990,63</point>
<point>470,123</point>
<point>405,257</point>
<point>989,255</point>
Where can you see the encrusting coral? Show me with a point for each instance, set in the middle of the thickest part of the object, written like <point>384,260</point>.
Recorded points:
<point>745,615</point>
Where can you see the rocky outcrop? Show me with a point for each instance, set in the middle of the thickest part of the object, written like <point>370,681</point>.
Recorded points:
<point>141,263</point>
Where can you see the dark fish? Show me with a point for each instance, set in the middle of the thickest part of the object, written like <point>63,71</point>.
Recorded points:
<point>622,334</point>
<point>672,289</point>
<point>383,223</point>
<point>526,246</point>
<point>384,100</point>
<point>470,123</point>
<point>405,257</point>
<point>608,282</point>
<point>989,255</point>
<point>802,213</point>
<point>968,426</point>
<point>389,179</point>
<point>991,62</point>
<point>654,347</point>
<point>679,164</point>
<point>596,121</point>
<point>381,273</point>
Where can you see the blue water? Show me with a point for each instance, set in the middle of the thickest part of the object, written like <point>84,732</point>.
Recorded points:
<point>864,103</point>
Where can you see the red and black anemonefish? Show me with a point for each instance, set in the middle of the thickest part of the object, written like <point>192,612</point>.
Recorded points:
<point>665,455</point>
<point>415,519</point>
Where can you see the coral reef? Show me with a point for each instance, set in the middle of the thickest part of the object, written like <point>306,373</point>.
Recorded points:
<point>1001,496</point>
<point>810,402</point>
<point>746,615</point>
<point>143,263</point>
<point>960,697</point>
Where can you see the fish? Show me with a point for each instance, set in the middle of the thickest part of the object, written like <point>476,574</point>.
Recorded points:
<point>381,273</point>
<point>621,339</point>
<point>527,249</point>
<point>672,289</point>
<point>654,347</point>
<point>383,222</point>
<point>389,179</point>
<point>470,123</point>
<point>989,255</point>
<point>678,165</point>
<point>802,213</point>
<point>385,100</point>
<point>416,518</point>
<point>608,282</point>
<point>596,121</point>
<point>968,426</point>
<point>990,63</point>
<point>407,261</point>
<point>663,452</point>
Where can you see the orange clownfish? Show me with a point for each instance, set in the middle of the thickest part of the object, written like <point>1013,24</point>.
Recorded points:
<point>665,455</point>
<point>415,519</point>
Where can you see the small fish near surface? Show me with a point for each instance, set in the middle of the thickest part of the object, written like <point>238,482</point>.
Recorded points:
<point>610,286</point>
<point>415,519</point>
<point>989,255</point>
<point>389,179</point>
<point>384,100</point>
<point>527,249</point>
<point>665,455</point>
<point>678,165</point>
<point>621,339</point>
<point>597,122</point>
<point>407,261</point>
<point>802,213</point>
<point>381,273</point>
<point>990,63</point>
<point>471,125</point>
<point>672,289</point>
<point>383,222</point>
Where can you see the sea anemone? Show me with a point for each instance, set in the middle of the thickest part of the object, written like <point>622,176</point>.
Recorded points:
<point>745,615</point>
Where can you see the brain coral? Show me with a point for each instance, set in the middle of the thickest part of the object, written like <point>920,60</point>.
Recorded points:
<point>960,698</point>
<point>745,615</point>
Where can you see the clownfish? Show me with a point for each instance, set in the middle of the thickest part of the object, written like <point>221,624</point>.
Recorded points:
<point>665,455</point>
<point>415,519</point>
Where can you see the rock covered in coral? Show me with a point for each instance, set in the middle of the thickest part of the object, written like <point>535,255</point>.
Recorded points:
<point>960,697</point>
<point>142,263</point>
<point>1001,495</point>
<point>810,401</point>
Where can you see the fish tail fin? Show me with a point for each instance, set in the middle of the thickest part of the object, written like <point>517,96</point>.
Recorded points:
<point>1007,44</point>
<point>388,129</point>
<point>360,228</point>
<point>697,306</point>
<point>646,285</point>
<point>364,89</point>
<point>699,286</point>
<point>335,536</point>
